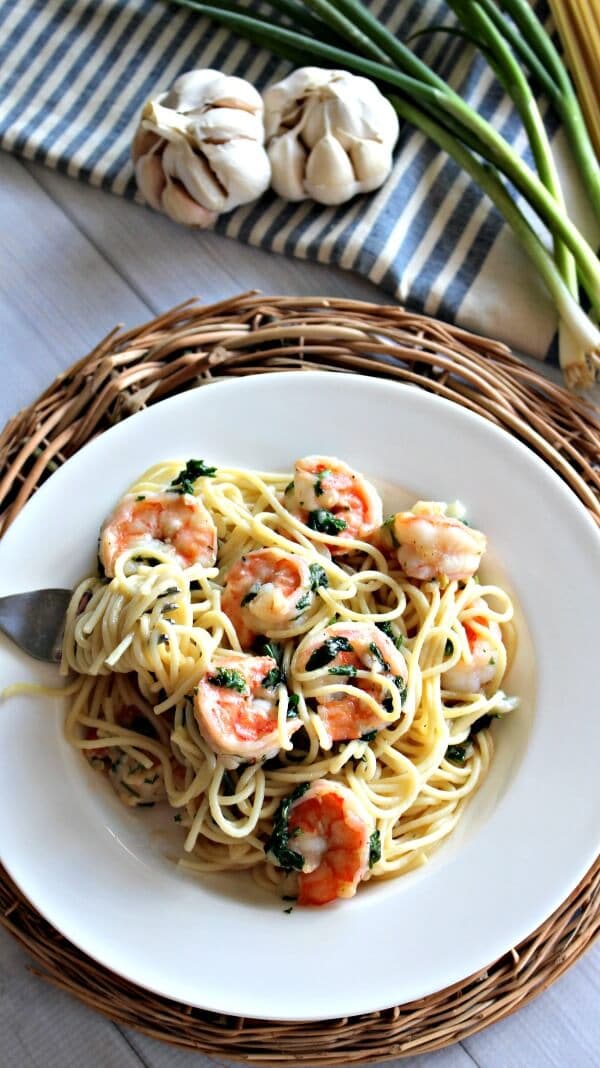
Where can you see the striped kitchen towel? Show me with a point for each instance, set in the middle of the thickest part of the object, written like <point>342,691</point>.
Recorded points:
<point>74,75</point>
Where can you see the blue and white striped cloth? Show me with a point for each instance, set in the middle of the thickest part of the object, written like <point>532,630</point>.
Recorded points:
<point>74,75</point>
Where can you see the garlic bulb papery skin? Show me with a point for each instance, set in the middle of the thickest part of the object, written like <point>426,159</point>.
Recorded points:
<point>199,148</point>
<point>330,135</point>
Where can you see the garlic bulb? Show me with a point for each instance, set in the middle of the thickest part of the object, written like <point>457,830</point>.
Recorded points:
<point>330,135</point>
<point>198,150</point>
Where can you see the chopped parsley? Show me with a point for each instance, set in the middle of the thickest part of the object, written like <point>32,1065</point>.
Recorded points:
<point>400,685</point>
<point>319,480</point>
<point>227,784</point>
<point>374,848</point>
<point>289,488</point>
<point>272,678</point>
<point>140,497</point>
<point>327,651</point>
<point>449,647</point>
<point>277,845</point>
<point>251,594</point>
<point>287,911</point>
<point>292,708</point>
<point>268,648</point>
<point>389,526</point>
<point>229,679</point>
<point>184,483</point>
<point>325,522</point>
<point>129,788</point>
<point>482,724</point>
<point>318,577</point>
<point>304,601</point>
<point>368,736</point>
<point>177,818</point>
<point>376,651</point>
<point>457,754</point>
<point>343,669</point>
<point>388,630</point>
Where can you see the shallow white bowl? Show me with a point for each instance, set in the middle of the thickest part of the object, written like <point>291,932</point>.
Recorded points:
<point>100,873</point>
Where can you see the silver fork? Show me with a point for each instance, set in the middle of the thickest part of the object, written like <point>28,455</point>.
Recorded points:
<point>35,621</point>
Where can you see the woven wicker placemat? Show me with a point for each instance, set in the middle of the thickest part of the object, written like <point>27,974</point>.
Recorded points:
<point>248,335</point>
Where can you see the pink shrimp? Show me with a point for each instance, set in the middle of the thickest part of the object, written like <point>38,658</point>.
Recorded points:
<point>471,674</point>
<point>331,498</point>
<point>340,651</point>
<point>172,522</point>
<point>331,832</point>
<point>236,707</point>
<point>429,544</point>
<point>265,592</point>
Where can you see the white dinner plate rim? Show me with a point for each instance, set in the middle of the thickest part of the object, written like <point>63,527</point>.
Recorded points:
<point>346,1003</point>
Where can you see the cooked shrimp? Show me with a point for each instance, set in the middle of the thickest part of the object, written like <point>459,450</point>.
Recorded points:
<point>429,544</point>
<point>470,674</point>
<point>236,707</point>
<point>331,832</point>
<point>176,523</point>
<point>341,651</point>
<point>331,498</point>
<point>266,591</point>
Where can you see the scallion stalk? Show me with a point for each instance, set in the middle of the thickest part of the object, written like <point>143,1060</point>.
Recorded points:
<point>561,92</point>
<point>436,109</point>
<point>474,18</point>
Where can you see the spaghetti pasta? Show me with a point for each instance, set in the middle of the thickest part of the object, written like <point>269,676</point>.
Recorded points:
<point>295,693</point>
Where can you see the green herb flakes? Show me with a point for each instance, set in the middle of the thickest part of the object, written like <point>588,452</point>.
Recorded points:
<point>388,630</point>
<point>184,482</point>
<point>344,669</point>
<point>376,651</point>
<point>272,679</point>
<point>457,754</point>
<point>277,845</point>
<point>319,481</point>
<point>374,848</point>
<point>292,708</point>
<point>327,651</point>
<point>251,594</point>
<point>229,679</point>
<point>325,522</point>
<point>304,601</point>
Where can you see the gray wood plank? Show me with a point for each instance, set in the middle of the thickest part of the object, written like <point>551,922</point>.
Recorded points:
<point>166,263</point>
<point>40,1027</point>
<point>58,295</point>
<point>560,1029</point>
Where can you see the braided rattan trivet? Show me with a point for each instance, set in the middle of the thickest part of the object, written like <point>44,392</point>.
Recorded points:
<point>250,335</point>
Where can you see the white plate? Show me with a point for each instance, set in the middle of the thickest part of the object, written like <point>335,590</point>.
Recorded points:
<point>98,872</point>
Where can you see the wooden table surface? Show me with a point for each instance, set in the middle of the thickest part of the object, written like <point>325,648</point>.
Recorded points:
<point>73,263</point>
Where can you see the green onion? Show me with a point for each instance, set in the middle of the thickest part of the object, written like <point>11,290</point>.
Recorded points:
<point>438,111</point>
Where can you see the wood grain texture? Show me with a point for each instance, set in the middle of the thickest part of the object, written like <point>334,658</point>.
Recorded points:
<point>165,263</point>
<point>74,262</point>
<point>58,295</point>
